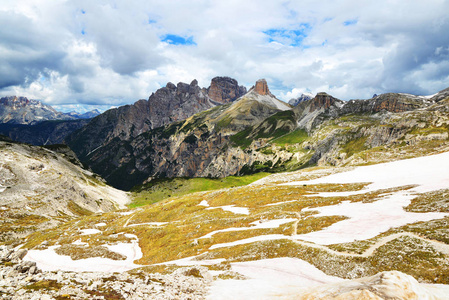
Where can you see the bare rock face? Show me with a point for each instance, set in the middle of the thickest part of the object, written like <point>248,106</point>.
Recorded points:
<point>322,100</point>
<point>261,87</point>
<point>167,105</point>
<point>224,90</point>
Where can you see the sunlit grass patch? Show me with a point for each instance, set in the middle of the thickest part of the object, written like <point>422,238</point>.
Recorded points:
<point>45,285</point>
<point>160,189</point>
<point>311,224</point>
<point>437,201</point>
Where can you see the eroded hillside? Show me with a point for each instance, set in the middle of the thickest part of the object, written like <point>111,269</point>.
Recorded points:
<point>40,188</point>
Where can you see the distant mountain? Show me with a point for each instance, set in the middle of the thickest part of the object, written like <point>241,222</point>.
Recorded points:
<point>88,115</point>
<point>303,97</point>
<point>20,110</point>
<point>169,104</point>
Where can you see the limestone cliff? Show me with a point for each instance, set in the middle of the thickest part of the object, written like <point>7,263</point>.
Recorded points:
<point>197,147</point>
<point>224,90</point>
<point>169,104</point>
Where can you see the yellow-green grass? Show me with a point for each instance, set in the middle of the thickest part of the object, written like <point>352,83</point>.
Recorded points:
<point>160,189</point>
<point>188,222</point>
<point>295,137</point>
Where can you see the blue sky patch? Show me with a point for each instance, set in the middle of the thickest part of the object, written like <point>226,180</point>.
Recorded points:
<point>288,36</point>
<point>83,32</point>
<point>177,40</point>
<point>350,22</point>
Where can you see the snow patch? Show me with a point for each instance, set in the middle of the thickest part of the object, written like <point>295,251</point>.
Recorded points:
<point>204,203</point>
<point>232,208</point>
<point>366,220</point>
<point>79,243</point>
<point>256,225</point>
<point>126,213</point>
<point>89,231</point>
<point>100,224</point>
<point>49,260</point>
<point>270,279</point>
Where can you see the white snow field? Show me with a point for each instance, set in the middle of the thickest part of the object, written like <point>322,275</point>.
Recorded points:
<point>366,220</point>
<point>49,260</point>
<point>270,279</point>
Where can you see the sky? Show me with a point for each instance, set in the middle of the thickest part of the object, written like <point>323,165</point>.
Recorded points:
<point>79,55</point>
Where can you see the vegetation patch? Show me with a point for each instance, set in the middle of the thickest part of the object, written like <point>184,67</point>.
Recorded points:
<point>159,189</point>
<point>81,252</point>
<point>45,285</point>
<point>437,201</point>
<point>295,137</point>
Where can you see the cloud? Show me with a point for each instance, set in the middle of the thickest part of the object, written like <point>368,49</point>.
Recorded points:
<point>116,52</point>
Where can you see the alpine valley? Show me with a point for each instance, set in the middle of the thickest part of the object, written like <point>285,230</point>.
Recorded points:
<point>226,192</point>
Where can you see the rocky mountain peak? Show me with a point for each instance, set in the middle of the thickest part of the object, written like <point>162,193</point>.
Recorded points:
<point>21,110</point>
<point>224,90</point>
<point>322,100</point>
<point>261,87</point>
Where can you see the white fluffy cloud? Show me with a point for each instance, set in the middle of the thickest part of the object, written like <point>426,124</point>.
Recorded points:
<point>116,52</point>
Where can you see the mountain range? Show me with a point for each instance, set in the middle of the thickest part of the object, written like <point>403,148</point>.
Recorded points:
<point>184,130</point>
<point>356,206</point>
<point>243,136</point>
<point>21,110</point>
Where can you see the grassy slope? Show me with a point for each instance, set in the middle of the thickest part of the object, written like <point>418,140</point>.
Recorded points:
<point>160,189</point>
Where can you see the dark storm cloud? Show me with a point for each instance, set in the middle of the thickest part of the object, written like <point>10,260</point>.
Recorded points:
<point>26,52</point>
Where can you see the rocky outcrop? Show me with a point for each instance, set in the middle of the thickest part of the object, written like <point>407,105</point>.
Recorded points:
<point>391,102</point>
<point>20,279</point>
<point>322,101</point>
<point>224,90</point>
<point>261,87</point>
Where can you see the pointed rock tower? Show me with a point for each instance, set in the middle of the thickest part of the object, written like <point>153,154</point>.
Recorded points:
<point>262,87</point>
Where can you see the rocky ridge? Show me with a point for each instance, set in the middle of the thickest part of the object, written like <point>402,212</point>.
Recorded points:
<point>240,137</point>
<point>167,105</point>
<point>224,90</point>
<point>21,279</point>
<point>40,188</point>
<point>196,147</point>
<point>24,111</point>
<point>21,110</point>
